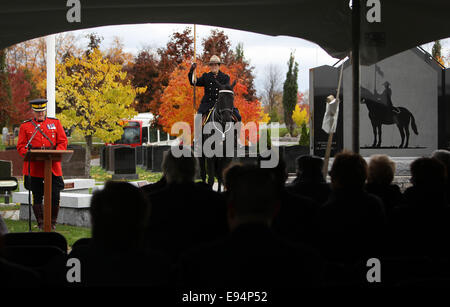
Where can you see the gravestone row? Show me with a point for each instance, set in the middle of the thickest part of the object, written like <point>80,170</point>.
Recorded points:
<point>123,159</point>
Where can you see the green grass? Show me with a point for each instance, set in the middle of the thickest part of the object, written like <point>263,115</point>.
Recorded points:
<point>99,174</point>
<point>71,233</point>
<point>283,131</point>
<point>9,207</point>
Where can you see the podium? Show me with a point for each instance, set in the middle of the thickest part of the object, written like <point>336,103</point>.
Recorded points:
<point>48,156</point>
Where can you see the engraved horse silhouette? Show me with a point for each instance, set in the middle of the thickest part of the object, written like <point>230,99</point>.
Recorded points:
<point>384,114</point>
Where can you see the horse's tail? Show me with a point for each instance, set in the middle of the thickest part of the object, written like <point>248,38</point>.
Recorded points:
<point>413,124</point>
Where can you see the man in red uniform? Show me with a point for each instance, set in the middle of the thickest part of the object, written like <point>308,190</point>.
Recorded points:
<point>42,132</point>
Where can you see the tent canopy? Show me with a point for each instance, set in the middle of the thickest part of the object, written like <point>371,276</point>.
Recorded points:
<point>405,23</point>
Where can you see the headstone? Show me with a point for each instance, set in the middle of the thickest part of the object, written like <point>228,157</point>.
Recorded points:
<point>103,157</point>
<point>445,140</point>
<point>149,160</point>
<point>144,156</point>
<point>4,135</point>
<point>291,153</point>
<point>5,169</point>
<point>76,165</point>
<point>15,158</point>
<point>411,79</point>
<point>110,157</point>
<point>323,81</point>
<point>139,160</point>
<point>157,156</point>
<point>124,159</point>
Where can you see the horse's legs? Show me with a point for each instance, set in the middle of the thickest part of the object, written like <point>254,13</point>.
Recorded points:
<point>402,134</point>
<point>379,126</point>
<point>407,136</point>
<point>202,162</point>
<point>210,168</point>
<point>374,127</point>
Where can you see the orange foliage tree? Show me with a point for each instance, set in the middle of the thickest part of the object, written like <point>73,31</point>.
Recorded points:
<point>177,99</point>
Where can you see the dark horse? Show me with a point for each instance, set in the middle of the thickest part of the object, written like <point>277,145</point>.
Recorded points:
<point>220,119</point>
<point>380,114</point>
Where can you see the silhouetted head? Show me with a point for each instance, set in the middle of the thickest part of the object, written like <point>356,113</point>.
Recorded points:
<point>231,173</point>
<point>179,170</point>
<point>428,173</point>
<point>253,197</point>
<point>386,84</point>
<point>381,170</point>
<point>349,171</point>
<point>279,172</point>
<point>309,169</point>
<point>119,215</point>
<point>444,157</point>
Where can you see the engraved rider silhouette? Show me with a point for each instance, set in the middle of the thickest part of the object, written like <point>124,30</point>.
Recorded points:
<point>387,93</point>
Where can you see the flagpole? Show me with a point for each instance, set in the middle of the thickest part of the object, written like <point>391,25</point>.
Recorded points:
<point>195,61</point>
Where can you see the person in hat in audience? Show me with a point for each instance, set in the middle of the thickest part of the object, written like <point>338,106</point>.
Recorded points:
<point>42,132</point>
<point>208,81</point>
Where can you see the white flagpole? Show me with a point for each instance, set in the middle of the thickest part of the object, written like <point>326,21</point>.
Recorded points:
<point>51,74</point>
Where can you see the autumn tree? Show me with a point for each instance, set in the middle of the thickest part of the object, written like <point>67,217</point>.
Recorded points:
<point>15,91</point>
<point>177,99</point>
<point>217,43</point>
<point>30,57</point>
<point>144,72</point>
<point>5,89</point>
<point>116,54</point>
<point>436,52</point>
<point>94,96</point>
<point>153,70</point>
<point>21,90</point>
<point>290,90</point>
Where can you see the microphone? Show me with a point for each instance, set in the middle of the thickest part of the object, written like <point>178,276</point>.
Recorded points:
<point>32,137</point>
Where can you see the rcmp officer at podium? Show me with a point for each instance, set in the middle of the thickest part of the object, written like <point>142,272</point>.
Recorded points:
<point>42,132</point>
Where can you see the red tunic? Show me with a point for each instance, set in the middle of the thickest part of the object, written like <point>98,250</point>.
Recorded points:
<point>53,129</point>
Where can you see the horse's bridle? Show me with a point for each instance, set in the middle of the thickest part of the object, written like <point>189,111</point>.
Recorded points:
<point>218,114</point>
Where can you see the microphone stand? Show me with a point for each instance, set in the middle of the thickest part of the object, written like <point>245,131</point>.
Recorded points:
<point>28,147</point>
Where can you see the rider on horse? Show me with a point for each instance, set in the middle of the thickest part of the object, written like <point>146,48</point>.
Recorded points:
<point>208,81</point>
<point>387,94</point>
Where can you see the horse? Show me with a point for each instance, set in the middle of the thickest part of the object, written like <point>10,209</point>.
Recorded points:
<point>220,117</point>
<point>380,114</point>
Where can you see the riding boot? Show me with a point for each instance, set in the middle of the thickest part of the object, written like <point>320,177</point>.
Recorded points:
<point>38,211</point>
<point>55,211</point>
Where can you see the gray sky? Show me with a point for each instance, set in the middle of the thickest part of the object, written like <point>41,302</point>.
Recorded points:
<point>260,50</point>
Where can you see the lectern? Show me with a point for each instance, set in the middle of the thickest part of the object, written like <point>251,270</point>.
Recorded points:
<point>48,156</point>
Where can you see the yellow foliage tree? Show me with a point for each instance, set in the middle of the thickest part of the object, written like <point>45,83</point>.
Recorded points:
<point>300,116</point>
<point>94,96</point>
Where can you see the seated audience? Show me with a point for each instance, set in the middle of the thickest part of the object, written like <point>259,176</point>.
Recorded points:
<point>184,213</point>
<point>444,157</point>
<point>295,218</point>
<point>379,182</point>
<point>310,181</point>
<point>422,224</point>
<point>117,253</point>
<point>251,255</point>
<point>14,275</point>
<point>153,187</point>
<point>351,223</point>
